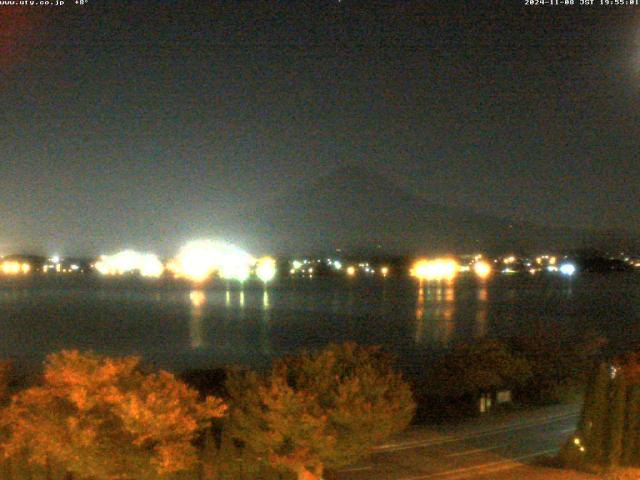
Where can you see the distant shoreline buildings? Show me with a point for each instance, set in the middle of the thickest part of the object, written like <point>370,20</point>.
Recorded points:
<point>205,260</point>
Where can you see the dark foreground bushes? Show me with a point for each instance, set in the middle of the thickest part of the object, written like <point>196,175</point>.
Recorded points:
<point>542,368</point>
<point>608,434</point>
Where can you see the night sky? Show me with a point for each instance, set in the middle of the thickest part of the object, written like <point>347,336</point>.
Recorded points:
<point>146,124</point>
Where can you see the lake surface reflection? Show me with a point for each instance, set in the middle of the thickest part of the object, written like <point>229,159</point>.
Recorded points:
<point>178,327</point>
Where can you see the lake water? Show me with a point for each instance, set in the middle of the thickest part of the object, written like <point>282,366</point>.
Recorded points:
<point>177,327</point>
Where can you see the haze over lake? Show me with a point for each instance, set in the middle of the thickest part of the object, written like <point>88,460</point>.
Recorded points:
<point>178,327</point>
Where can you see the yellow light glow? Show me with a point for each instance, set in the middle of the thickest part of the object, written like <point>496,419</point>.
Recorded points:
<point>129,261</point>
<point>200,259</point>
<point>384,271</point>
<point>509,260</point>
<point>266,269</point>
<point>10,267</point>
<point>482,269</point>
<point>552,260</point>
<point>351,271</point>
<point>437,269</point>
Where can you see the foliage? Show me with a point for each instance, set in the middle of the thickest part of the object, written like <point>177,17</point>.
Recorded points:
<point>622,474</point>
<point>630,365</point>
<point>592,427</point>
<point>105,418</point>
<point>481,367</point>
<point>319,409</point>
<point>608,434</point>
<point>632,444</point>
<point>227,460</point>
<point>617,420</point>
<point>558,360</point>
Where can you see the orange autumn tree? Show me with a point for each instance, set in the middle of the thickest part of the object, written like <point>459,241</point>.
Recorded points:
<point>317,410</point>
<point>106,418</point>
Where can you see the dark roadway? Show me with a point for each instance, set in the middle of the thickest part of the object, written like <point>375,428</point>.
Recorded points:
<point>482,448</point>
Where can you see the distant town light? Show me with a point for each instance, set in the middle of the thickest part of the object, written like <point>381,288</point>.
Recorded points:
<point>266,269</point>
<point>351,270</point>
<point>482,269</point>
<point>437,269</point>
<point>10,267</point>
<point>198,260</point>
<point>567,269</point>
<point>384,271</point>
<point>128,261</point>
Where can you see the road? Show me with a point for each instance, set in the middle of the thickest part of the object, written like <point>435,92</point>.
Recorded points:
<point>483,448</point>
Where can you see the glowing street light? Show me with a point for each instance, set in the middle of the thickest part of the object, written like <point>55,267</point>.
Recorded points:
<point>351,270</point>
<point>482,269</point>
<point>567,269</point>
<point>266,269</point>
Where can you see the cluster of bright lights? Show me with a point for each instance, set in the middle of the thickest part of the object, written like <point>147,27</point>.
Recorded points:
<point>437,269</point>
<point>304,266</point>
<point>308,267</point>
<point>130,261</point>
<point>546,260</point>
<point>11,267</point>
<point>200,259</point>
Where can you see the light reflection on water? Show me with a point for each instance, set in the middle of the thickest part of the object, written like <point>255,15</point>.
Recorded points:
<point>177,327</point>
<point>196,333</point>
<point>482,310</point>
<point>435,322</point>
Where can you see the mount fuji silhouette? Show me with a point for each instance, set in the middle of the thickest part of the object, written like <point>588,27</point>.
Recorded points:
<point>357,210</point>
